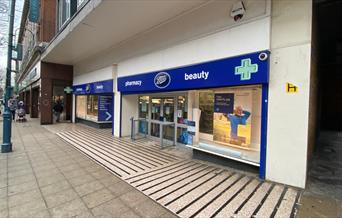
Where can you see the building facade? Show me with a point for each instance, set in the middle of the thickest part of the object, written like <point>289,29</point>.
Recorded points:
<point>228,78</point>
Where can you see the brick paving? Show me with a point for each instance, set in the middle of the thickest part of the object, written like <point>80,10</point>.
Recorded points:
<point>46,177</point>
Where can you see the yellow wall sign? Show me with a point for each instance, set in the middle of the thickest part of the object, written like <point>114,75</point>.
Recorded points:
<point>290,88</point>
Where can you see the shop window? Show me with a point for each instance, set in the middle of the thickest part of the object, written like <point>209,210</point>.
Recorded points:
<point>81,101</point>
<point>92,107</point>
<point>206,105</point>
<point>182,110</point>
<point>233,117</point>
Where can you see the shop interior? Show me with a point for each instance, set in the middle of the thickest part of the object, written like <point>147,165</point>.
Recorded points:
<point>223,121</point>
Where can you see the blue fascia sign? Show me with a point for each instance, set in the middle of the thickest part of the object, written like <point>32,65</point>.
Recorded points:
<point>249,69</point>
<point>99,87</point>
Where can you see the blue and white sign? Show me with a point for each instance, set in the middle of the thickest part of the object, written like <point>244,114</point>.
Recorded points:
<point>100,87</point>
<point>246,69</point>
<point>105,108</point>
<point>162,80</point>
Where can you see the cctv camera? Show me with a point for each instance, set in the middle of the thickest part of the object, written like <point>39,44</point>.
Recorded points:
<point>263,56</point>
<point>238,11</point>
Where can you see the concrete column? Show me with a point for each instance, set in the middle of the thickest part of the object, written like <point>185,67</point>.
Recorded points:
<point>287,136</point>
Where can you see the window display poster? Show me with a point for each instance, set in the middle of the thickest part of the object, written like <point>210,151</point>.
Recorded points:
<point>232,119</point>
<point>224,103</point>
<point>105,105</point>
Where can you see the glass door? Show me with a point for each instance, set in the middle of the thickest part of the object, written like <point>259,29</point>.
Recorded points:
<point>162,110</point>
<point>156,115</point>
<point>144,102</point>
<point>168,116</point>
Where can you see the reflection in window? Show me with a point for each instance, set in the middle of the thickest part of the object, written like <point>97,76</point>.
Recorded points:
<point>143,106</point>
<point>63,12</point>
<point>92,105</point>
<point>155,109</point>
<point>206,105</point>
<point>182,109</point>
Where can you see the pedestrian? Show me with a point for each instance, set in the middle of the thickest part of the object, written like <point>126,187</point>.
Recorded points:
<point>12,104</point>
<point>58,109</point>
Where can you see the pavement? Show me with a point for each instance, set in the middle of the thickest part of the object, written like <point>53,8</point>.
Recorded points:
<point>46,177</point>
<point>323,194</point>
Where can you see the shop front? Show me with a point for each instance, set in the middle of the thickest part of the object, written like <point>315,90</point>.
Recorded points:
<point>94,103</point>
<point>218,107</point>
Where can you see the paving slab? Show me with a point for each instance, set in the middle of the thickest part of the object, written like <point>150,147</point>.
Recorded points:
<point>98,197</point>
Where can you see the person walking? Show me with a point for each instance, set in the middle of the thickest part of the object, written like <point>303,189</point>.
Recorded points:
<point>12,104</point>
<point>58,109</point>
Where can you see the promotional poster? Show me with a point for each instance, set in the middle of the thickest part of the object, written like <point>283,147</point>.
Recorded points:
<point>232,119</point>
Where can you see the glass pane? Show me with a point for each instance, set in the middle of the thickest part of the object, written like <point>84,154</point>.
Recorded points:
<point>92,107</point>
<point>143,127</point>
<point>143,106</point>
<point>168,132</point>
<point>168,109</point>
<point>155,130</point>
<point>155,110</point>
<point>81,106</point>
<point>206,105</point>
<point>182,109</point>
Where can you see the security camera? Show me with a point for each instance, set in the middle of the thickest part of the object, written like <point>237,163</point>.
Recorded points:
<point>263,56</point>
<point>238,11</point>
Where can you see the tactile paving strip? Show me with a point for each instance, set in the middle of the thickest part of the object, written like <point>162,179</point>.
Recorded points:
<point>188,188</point>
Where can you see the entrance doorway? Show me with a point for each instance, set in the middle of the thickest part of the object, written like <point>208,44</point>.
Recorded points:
<point>35,103</point>
<point>65,100</point>
<point>325,164</point>
<point>27,102</point>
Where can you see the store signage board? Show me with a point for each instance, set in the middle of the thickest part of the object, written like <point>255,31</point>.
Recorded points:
<point>105,111</point>
<point>246,69</point>
<point>99,87</point>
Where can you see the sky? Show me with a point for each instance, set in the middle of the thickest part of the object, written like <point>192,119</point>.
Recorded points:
<point>4,22</point>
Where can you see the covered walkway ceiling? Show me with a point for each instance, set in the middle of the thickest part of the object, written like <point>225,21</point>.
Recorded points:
<point>101,26</point>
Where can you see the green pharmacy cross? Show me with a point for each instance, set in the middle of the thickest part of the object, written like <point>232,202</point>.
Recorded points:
<point>68,89</point>
<point>246,69</point>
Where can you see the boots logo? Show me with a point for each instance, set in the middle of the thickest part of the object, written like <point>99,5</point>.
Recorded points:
<point>162,80</point>
<point>88,88</point>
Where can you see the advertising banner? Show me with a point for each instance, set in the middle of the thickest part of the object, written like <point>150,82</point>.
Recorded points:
<point>105,109</point>
<point>232,119</point>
